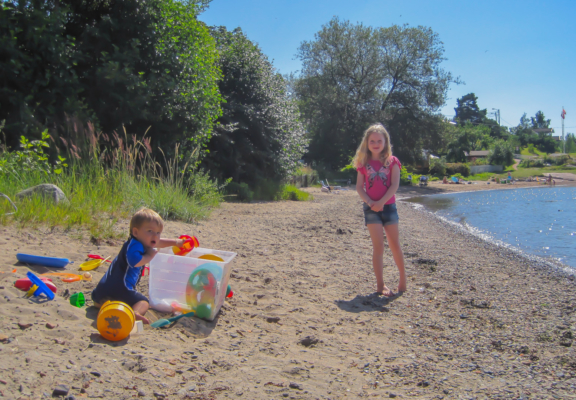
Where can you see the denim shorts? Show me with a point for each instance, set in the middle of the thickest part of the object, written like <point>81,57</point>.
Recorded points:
<point>388,216</point>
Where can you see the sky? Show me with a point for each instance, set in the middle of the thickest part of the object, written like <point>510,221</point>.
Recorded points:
<point>516,56</point>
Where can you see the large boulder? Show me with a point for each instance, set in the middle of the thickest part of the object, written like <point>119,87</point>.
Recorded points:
<point>45,190</point>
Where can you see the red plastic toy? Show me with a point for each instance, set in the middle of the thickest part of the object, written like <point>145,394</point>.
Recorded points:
<point>189,244</point>
<point>25,284</point>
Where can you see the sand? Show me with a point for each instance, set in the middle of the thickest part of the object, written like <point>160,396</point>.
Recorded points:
<point>477,321</point>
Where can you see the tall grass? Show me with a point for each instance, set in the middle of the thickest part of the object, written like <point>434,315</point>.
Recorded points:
<point>109,177</point>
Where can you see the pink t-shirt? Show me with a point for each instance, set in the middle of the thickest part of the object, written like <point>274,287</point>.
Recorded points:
<point>378,178</point>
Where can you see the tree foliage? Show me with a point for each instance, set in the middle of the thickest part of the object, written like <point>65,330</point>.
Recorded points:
<point>465,139</point>
<point>259,136</point>
<point>467,110</point>
<point>501,154</point>
<point>526,134</point>
<point>140,64</point>
<point>353,75</point>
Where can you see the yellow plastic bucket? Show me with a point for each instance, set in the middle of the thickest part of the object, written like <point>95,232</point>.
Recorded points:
<point>115,320</point>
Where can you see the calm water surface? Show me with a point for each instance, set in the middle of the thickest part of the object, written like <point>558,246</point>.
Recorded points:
<point>539,221</point>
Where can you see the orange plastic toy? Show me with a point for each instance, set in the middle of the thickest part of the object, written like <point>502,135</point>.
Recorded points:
<point>189,244</point>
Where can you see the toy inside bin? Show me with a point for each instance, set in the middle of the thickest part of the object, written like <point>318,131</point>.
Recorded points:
<point>189,283</point>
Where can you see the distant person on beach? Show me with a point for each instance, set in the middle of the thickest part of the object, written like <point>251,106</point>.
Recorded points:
<point>445,180</point>
<point>119,282</point>
<point>377,183</point>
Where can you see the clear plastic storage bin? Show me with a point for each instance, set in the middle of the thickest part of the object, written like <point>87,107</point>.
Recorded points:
<point>189,283</point>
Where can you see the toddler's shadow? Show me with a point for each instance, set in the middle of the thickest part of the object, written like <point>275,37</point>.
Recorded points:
<point>363,303</point>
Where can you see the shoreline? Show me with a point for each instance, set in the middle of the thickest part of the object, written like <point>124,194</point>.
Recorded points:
<point>556,267</point>
<point>477,321</point>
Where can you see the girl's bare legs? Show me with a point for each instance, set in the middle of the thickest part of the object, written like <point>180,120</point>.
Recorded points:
<point>377,236</point>
<point>393,236</point>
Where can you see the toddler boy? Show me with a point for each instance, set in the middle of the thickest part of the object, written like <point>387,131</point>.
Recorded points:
<point>119,282</point>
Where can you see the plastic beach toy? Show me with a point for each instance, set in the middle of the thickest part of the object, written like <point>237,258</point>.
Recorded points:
<point>115,320</point>
<point>189,244</point>
<point>25,284</point>
<point>77,299</point>
<point>211,257</point>
<point>92,264</point>
<point>38,287</point>
<point>67,277</point>
<point>202,289</point>
<point>97,257</point>
<point>41,260</point>
<point>167,321</point>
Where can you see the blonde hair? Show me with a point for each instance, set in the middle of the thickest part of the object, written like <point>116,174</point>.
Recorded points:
<point>363,154</point>
<point>145,215</point>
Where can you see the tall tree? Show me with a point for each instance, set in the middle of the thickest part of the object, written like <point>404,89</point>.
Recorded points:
<point>353,75</point>
<point>539,121</point>
<point>140,64</point>
<point>467,110</point>
<point>259,135</point>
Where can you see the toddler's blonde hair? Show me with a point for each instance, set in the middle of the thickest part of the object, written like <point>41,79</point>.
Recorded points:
<point>363,154</point>
<point>145,215</point>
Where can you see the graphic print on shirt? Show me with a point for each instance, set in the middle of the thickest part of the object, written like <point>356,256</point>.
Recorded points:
<point>372,174</point>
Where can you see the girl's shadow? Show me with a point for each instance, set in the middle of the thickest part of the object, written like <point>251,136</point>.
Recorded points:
<point>371,302</point>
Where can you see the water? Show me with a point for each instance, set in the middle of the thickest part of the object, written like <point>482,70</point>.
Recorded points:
<point>537,221</point>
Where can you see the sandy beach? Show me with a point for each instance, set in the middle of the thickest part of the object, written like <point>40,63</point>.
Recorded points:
<point>477,321</point>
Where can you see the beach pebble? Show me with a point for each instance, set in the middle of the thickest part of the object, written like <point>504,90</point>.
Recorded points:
<point>141,393</point>
<point>50,325</point>
<point>294,385</point>
<point>96,374</point>
<point>60,390</point>
<point>309,341</point>
<point>273,319</point>
<point>24,325</point>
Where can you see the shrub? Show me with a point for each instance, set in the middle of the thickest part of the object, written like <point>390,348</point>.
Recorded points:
<point>457,168</point>
<point>240,190</point>
<point>535,163</point>
<point>290,192</point>
<point>404,180</point>
<point>501,154</point>
<point>531,148</point>
<point>437,166</point>
<point>560,160</point>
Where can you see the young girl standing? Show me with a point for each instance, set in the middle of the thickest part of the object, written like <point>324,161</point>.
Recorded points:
<point>377,183</point>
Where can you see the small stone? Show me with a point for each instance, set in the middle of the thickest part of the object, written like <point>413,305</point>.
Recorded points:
<point>24,325</point>
<point>294,385</point>
<point>267,280</point>
<point>96,374</point>
<point>3,338</point>
<point>51,326</point>
<point>141,393</point>
<point>60,390</point>
<point>309,341</point>
<point>59,341</point>
<point>273,319</point>
<point>70,397</point>
<point>392,395</point>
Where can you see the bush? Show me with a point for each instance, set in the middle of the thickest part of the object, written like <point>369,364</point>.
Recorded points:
<point>457,168</point>
<point>502,154</point>
<point>437,166</point>
<point>240,190</point>
<point>560,160</point>
<point>290,192</point>
<point>534,163</point>
<point>531,148</point>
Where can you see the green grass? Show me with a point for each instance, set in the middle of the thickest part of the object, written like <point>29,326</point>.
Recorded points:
<point>522,173</point>
<point>537,152</point>
<point>290,192</point>
<point>101,193</point>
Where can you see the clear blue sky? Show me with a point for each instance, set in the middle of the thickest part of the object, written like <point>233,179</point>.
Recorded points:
<point>517,56</point>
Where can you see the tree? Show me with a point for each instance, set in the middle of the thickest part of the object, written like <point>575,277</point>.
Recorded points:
<point>353,75</point>
<point>539,121</point>
<point>465,139</point>
<point>570,143</point>
<point>141,64</point>
<point>502,153</point>
<point>467,110</point>
<point>259,136</point>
